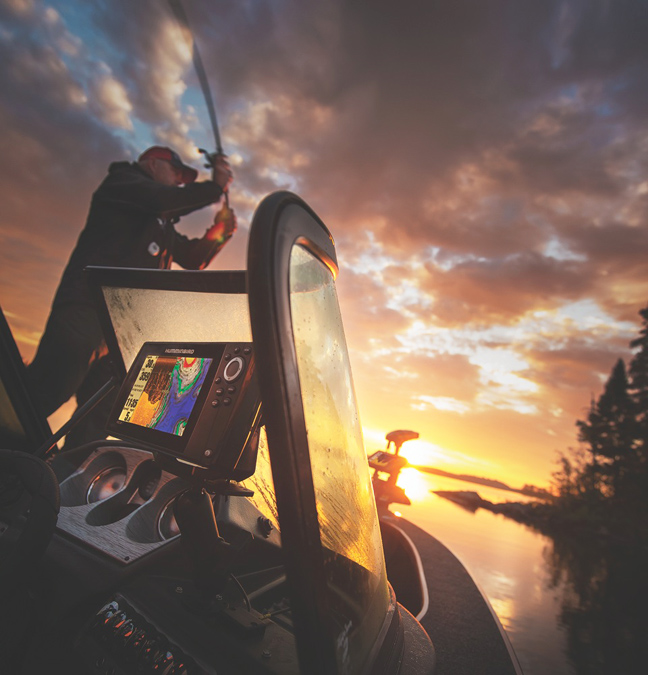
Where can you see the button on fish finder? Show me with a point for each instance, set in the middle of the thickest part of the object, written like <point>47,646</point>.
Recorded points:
<point>233,369</point>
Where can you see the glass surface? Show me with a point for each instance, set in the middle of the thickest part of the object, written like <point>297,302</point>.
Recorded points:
<point>349,527</point>
<point>261,483</point>
<point>142,315</point>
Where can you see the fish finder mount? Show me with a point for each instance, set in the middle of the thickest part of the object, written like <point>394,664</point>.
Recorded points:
<point>197,407</point>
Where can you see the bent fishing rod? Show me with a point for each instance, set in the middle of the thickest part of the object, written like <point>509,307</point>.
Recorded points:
<point>181,16</point>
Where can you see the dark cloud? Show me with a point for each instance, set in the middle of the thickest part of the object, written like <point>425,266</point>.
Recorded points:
<point>503,290</point>
<point>52,154</point>
<point>614,246</point>
<point>573,153</point>
<point>149,54</point>
<point>571,373</point>
<point>367,316</point>
<point>576,365</point>
<point>444,375</point>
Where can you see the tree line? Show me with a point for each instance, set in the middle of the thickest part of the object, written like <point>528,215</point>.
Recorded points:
<point>605,480</point>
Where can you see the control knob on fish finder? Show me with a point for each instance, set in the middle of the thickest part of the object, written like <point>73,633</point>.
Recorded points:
<point>233,369</point>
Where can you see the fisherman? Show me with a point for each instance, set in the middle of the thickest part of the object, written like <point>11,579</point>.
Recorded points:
<point>130,224</point>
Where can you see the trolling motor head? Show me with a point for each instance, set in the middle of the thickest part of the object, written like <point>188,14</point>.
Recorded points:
<point>399,437</point>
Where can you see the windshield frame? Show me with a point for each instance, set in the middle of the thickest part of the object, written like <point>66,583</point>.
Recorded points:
<point>282,221</point>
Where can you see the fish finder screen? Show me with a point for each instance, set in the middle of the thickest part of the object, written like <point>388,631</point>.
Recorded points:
<point>165,392</point>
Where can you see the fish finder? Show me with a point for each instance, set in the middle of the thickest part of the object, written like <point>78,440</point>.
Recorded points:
<point>196,402</point>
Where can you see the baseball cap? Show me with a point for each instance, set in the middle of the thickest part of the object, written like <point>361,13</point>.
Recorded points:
<point>159,152</point>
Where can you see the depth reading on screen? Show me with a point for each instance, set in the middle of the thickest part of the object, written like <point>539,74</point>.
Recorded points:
<point>165,392</point>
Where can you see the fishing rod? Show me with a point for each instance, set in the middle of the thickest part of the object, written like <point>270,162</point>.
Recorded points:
<point>225,214</point>
<point>181,16</point>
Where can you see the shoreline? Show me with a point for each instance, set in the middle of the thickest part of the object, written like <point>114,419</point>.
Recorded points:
<point>553,521</point>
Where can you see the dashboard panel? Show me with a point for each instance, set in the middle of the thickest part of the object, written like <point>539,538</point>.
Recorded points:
<point>126,599</point>
<point>120,503</point>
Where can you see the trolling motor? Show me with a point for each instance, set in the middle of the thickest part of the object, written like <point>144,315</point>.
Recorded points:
<point>383,461</point>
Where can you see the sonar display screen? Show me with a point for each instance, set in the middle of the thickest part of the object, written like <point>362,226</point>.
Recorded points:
<point>165,392</point>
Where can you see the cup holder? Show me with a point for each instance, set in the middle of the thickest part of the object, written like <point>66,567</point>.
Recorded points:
<point>167,527</point>
<point>120,503</point>
<point>102,477</point>
<point>107,483</point>
<point>155,521</point>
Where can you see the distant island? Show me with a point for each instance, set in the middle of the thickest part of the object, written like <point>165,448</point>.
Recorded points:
<point>528,490</point>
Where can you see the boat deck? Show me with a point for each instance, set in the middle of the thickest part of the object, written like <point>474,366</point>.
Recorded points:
<point>467,636</point>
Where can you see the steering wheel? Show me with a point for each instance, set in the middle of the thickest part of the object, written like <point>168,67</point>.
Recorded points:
<point>29,506</point>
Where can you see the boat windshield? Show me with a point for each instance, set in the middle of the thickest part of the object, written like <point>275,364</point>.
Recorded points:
<point>140,315</point>
<point>354,560</point>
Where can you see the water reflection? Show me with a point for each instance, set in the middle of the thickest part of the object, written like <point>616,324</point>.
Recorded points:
<point>570,607</point>
<point>414,484</point>
<point>604,598</point>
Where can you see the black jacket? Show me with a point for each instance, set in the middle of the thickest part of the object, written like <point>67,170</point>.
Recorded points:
<point>131,224</point>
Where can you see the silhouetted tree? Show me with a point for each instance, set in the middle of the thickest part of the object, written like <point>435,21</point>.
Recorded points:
<point>606,479</point>
<point>639,366</point>
<point>638,387</point>
<point>610,435</point>
<point>574,480</point>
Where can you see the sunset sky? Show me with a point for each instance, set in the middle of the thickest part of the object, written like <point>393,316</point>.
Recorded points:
<point>482,165</point>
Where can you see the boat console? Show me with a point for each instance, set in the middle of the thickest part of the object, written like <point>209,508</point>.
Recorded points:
<point>231,526</point>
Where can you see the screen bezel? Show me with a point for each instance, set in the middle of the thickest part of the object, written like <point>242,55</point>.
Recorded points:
<point>162,440</point>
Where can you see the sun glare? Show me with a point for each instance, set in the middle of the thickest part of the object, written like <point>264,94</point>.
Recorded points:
<point>414,484</point>
<point>422,453</point>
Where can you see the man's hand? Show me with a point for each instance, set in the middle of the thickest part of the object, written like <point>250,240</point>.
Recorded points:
<point>221,172</point>
<point>224,226</point>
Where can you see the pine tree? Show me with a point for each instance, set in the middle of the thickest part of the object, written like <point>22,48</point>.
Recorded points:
<point>638,387</point>
<point>607,479</point>
<point>638,369</point>
<point>610,435</point>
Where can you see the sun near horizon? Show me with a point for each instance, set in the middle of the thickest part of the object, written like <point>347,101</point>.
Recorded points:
<point>421,452</point>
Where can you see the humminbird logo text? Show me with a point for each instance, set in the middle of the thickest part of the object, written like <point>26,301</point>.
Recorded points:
<point>179,351</point>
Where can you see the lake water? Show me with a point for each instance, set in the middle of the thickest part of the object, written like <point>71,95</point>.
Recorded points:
<point>566,609</point>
